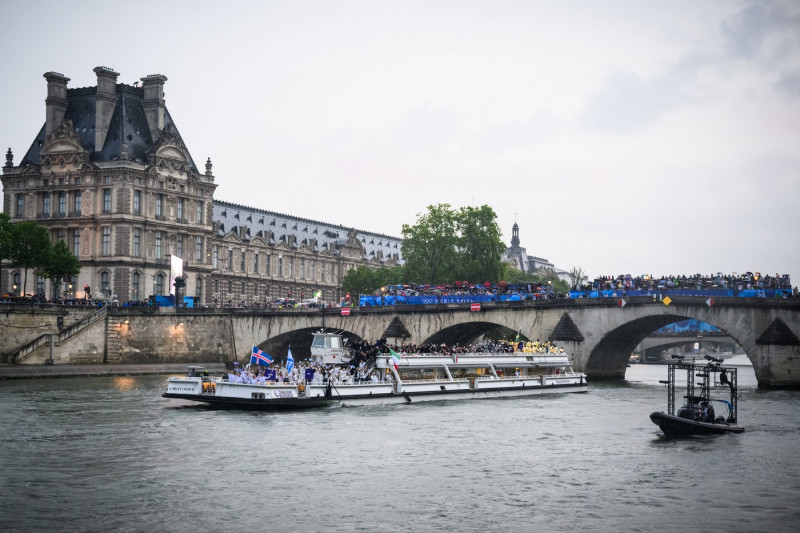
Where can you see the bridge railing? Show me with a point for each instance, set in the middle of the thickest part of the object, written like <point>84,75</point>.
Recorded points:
<point>555,303</point>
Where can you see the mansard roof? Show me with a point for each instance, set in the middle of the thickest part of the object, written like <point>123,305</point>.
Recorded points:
<point>128,124</point>
<point>318,236</point>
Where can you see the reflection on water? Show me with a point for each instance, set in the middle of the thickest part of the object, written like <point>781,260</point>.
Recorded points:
<point>109,454</point>
<point>124,383</point>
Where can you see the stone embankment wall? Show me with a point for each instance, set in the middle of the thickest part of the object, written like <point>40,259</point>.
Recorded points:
<point>166,337</point>
<point>20,325</point>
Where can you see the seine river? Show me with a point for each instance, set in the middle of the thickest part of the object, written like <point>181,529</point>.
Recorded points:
<point>109,454</point>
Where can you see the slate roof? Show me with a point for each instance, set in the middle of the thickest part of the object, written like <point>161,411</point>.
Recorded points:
<point>127,123</point>
<point>258,223</point>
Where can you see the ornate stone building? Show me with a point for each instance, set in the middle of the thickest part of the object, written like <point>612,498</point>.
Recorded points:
<point>110,175</point>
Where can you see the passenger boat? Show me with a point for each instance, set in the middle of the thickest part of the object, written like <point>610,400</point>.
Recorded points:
<point>395,378</point>
<point>697,414</point>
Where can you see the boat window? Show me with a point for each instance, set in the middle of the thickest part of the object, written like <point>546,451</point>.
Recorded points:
<point>319,342</point>
<point>336,342</point>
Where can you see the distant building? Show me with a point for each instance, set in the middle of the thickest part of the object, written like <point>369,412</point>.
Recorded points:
<point>110,175</point>
<point>517,256</point>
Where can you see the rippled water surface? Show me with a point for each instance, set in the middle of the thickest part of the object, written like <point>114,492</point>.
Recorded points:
<point>109,454</point>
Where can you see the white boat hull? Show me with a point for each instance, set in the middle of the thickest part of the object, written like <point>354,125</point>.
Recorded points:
<point>221,393</point>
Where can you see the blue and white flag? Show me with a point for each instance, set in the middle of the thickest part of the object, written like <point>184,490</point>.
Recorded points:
<point>257,357</point>
<point>289,361</point>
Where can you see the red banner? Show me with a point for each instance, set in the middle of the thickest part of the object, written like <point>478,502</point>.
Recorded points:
<point>474,307</point>
<point>345,311</point>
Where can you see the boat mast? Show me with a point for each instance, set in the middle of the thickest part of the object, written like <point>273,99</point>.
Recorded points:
<point>671,389</point>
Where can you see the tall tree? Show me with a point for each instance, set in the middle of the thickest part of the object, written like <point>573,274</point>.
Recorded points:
<point>480,244</point>
<point>6,229</point>
<point>30,246</point>
<point>576,276</point>
<point>60,265</point>
<point>429,246</point>
<point>360,280</point>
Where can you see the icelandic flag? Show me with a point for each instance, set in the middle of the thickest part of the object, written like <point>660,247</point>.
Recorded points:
<point>259,358</point>
<point>395,358</point>
<point>289,361</point>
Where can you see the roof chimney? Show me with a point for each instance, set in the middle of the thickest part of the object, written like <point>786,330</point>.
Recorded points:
<point>56,101</point>
<point>105,100</point>
<point>153,86</point>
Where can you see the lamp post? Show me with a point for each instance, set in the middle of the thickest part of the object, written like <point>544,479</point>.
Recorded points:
<point>15,289</point>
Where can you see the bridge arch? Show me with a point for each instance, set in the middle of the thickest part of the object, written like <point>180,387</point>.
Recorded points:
<point>609,357</point>
<point>465,333</point>
<point>300,342</point>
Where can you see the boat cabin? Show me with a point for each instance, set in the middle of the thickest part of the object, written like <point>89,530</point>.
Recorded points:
<point>329,348</point>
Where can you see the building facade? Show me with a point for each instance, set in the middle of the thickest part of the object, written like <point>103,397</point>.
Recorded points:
<point>110,175</point>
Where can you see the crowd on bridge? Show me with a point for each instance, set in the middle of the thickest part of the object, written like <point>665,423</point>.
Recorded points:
<point>699,282</point>
<point>749,284</point>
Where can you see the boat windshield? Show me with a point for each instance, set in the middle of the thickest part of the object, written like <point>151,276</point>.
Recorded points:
<point>327,341</point>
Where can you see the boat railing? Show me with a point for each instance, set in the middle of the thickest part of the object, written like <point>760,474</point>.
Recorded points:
<point>436,380</point>
<point>507,378</point>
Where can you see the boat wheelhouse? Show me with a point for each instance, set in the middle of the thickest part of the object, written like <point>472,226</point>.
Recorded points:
<point>697,415</point>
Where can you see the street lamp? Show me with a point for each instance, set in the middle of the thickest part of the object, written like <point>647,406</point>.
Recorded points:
<point>15,289</point>
<point>69,290</point>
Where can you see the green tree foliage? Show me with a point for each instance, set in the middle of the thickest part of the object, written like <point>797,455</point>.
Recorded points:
<point>480,244</point>
<point>365,280</point>
<point>60,264</point>
<point>576,276</point>
<point>430,246</point>
<point>545,279</point>
<point>447,245</point>
<point>30,247</point>
<point>6,229</point>
<point>359,280</point>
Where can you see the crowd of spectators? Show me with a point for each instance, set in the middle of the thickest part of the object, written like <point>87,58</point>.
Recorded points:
<point>361,366</point>
<point>515,291</point>
<point>489,347</point>
<point>746,281</point>
<point>465,288</point>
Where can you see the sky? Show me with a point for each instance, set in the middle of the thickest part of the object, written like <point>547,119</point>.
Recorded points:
<point>624,137</point>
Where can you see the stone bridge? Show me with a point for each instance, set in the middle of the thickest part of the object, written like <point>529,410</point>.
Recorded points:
<point>599,333</point>
<point>654,345</point>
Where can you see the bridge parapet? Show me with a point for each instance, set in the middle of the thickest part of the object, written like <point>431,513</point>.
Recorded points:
<point>600,333</point>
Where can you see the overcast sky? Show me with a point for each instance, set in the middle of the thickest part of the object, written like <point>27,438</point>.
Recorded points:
<point>623,136</point>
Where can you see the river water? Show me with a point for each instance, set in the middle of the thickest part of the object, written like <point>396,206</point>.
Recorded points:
<point>109,454</point>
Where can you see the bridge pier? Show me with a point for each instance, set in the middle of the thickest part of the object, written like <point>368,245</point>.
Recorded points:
<point>777,367</point>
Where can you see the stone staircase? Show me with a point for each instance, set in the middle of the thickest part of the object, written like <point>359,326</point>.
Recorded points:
<point>113,340</point>
<point>59,338</point>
